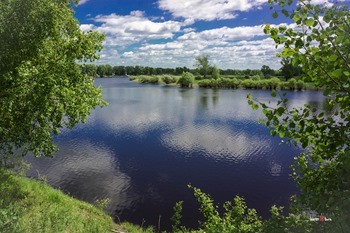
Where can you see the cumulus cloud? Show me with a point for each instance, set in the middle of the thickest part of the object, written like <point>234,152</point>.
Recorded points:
<point>136,39</point>
<point>123,30</point>
<point>208,9</point>
<point>81,2</point>
<point>235,47</point>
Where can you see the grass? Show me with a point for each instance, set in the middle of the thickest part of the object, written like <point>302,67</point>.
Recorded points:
<point>29,206</point>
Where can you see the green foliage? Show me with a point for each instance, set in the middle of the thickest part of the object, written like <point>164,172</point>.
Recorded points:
<point>42,87</point>
<point>300,85</point>
<point>215,73</point>
<point>219,83</point>
<point>148,79</point>
<point>291,223</point>
<point>169,79</point>
<point>248,83</point>
<point>186,79</point>
<point>202,64</point>
<point>128,227</point>
<point>176,218</point>
<point>292,83</point>
<point>273,83</point>
<point>288,70</point>
<point>321,49</point>
<point>29,206</point>
<point>237,217</point>
<point>267,71</point>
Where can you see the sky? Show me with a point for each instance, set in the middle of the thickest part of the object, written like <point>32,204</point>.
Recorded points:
<point>171,33</point>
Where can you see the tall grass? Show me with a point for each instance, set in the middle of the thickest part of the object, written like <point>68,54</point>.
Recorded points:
<point>29,206</point>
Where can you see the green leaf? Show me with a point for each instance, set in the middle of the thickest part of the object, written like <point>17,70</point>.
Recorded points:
<point>333,57</point>
<point>310,22</point>
<point>337,73</point>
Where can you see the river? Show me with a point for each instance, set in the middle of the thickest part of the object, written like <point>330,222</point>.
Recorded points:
<point>144,148</point>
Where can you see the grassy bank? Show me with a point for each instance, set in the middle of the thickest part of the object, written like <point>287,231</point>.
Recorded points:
<point>29,206</point>
<point>230,82</point>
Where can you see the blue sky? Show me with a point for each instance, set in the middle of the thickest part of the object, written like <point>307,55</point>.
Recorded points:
<point>171,33</point>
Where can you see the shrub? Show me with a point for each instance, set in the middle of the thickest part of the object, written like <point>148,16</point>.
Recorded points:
<point>169,79</point>
<point>273,83</point>
<point>248,83</point>
<point>300,85</point>
<point>186,79</point>
<point>292,83</point>
<point>149,79</point>
<point>255,77</point>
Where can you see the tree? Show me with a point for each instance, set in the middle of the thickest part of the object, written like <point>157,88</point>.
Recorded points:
<point>267,71</point>
<point>215,73</point>
<point>288,70</point>
<point>109,70</point>
<point>319,44</point>
<point>101,70</point>
<point>202,64</point>
<point>89,69</point>
<point>43,89</point>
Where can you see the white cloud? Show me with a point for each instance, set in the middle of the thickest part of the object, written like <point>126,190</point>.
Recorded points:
<point>87,27</point>
<point>239,47</point>
<point>81,2</point>
<point>208,9</point>
<point>123,30</point>
<point>322,2</point>
<point>134,40</point>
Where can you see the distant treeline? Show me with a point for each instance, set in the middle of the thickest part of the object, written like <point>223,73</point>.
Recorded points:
<point>108,71</point>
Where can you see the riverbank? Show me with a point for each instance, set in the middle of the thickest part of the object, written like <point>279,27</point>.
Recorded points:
<point>230,82</point>
<point>29,206</point>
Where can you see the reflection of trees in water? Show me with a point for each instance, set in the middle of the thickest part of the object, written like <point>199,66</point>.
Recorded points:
<point>205,96</point>
<point>215,97</point>
<point>203,102</point>
<point>321,104</point>
<point>185,93</point>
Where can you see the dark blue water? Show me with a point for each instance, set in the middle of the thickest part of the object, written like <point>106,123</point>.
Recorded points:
<point>150,142</point>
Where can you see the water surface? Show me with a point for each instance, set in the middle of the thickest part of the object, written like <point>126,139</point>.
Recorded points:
<point>151,141</point>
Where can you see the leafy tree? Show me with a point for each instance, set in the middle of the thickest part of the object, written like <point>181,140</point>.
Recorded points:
<point>119,70</point>
<point>319,44</point>
<point>215,73</point>
<point>109,70</point>
<point>43,89</point>
<point>267,71</point>
<point>89,69</point>
<point>288,70</point>
<point>101,70</point>
<point>202,64</point>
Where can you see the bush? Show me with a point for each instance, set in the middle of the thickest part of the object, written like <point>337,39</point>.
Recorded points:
<point>169,79</point>
<point>273,83</point>
<point>248,83</point>
<point>237,217</point>
<point>291,83</point>
<point>255,77</point>
<point>186,79</point>
<point>219,83</point>
<point>300,85</point>
<point>149,79</point>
